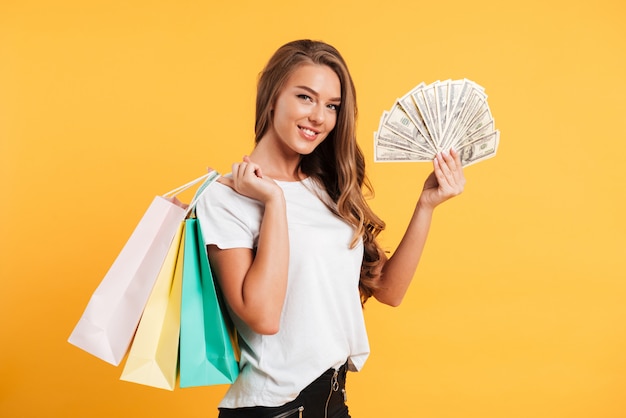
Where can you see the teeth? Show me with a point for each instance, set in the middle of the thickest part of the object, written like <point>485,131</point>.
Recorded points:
<point>308,131</point>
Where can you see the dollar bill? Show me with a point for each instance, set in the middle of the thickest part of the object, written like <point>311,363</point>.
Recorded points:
<point>387,136</point>
<point>396,120</point>
<point>441,97</point>
<point>480,149</point>
<point>408,106</point>
<point>392,153</point>
<point>421,102</point>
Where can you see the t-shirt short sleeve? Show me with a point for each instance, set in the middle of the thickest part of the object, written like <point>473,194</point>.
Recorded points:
<point>228,219</point>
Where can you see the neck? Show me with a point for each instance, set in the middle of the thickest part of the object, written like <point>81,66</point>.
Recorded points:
<point>276,164</point>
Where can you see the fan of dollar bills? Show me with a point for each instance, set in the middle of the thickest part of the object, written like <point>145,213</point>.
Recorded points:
<point>436,117</point>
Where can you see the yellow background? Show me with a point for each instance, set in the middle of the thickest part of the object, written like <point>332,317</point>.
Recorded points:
<point>518,308</point>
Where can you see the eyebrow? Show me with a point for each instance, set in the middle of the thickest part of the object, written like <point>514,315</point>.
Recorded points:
<point>316,94</point>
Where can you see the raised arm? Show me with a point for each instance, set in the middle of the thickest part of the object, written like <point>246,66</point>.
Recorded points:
<point>254,284</point>
<point>446,180</point>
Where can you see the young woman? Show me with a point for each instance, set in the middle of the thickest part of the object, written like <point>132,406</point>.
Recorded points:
<point>292,240</point>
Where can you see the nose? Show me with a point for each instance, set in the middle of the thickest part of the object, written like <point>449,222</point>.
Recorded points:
<point>317,114</point>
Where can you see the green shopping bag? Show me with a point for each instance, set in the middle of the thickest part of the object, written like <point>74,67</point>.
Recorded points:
<point>207,353</point>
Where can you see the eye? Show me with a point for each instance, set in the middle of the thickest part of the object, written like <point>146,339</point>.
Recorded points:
<point>334,107</point>
<point>305,97</point>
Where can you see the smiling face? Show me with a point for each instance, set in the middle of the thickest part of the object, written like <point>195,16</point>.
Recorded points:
<point>305,111</point>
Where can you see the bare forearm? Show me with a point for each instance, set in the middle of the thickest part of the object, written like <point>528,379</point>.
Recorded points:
<point>398,271</point>
<point>265,284</point>
<point>446,181</point>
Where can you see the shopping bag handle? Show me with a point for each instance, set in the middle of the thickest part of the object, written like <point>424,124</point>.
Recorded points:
<point>208,178</point>
<point>184,187</point>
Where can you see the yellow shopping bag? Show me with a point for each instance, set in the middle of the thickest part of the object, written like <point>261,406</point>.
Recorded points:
<point>153,357</point>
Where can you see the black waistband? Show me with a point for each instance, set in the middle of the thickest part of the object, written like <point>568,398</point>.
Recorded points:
<point>325,391</point>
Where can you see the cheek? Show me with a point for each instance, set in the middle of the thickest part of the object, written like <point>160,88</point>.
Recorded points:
<point>333,121</point>
<point>280,114</point>
<point>286,111</point>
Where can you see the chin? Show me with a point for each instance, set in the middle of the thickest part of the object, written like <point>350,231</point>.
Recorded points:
<point>306,149</point>
<point>307,152</point>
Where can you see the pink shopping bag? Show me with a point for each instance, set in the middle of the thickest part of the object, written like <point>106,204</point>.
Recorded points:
<point>110,319</point>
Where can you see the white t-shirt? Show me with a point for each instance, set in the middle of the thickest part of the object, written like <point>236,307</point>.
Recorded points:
<point>322,322</point>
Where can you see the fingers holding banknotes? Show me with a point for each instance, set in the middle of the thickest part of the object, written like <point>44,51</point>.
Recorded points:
<point>447,179</point>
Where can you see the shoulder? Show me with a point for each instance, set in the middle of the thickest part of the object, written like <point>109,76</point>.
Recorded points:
<point>221,199</point>
<point>219,192</point>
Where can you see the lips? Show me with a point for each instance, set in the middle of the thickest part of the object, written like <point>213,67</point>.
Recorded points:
<point>308,132</point>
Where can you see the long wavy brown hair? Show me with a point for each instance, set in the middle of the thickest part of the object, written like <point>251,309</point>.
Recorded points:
<point>337,163</point>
